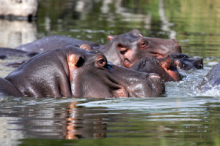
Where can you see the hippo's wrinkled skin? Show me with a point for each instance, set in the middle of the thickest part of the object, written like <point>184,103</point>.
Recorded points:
<point>123,50</point>
<point>211,80</point>
<point>185,62</point>
<point>165,68</point>
<point>75,72</point>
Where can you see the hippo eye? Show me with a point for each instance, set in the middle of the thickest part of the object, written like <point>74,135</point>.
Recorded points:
<point>101,62</point>
<point>143,43</point>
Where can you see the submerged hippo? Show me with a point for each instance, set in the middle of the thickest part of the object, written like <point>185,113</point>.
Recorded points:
<point>75,72</point>
<point>185,62</point>
<point>123,50</point>
<point>211,80</point>
<point>165,68</point>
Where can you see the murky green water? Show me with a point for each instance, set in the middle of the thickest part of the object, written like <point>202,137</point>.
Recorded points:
<point>181,117</point>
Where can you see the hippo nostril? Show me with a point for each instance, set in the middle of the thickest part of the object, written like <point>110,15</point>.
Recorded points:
<point>127,63</point>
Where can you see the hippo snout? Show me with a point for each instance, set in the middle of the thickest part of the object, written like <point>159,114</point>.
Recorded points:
<point>149,85</point>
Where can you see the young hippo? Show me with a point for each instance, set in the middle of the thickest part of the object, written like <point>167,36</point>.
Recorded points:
<point>185,62</point>
<point>165,68</point>
<point>75,72</point>
<point>211,80</point>
<point>123,50</point>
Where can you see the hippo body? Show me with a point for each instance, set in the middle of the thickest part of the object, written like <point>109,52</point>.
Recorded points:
<point>165,68</point>
<point>73,72</point>
<point>123,50</point>
<point>54,42</point>
<point>211,80</point>
<point>5,52</point>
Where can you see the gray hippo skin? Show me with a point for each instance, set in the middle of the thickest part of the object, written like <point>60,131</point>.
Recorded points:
<point>8,89</point>
<point>165,68</point>
<point>75,72</point>
<point>6,52</point>
<point>212,79</point>
<point>123,50</point>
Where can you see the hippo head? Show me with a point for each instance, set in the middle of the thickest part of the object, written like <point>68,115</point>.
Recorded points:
<point>164,67</point>
<point>73,71</point>
<point>185,62</point>
<point>126,49</point>
<point>92,76</point>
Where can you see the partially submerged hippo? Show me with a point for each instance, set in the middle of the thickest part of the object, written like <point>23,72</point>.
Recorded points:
<point>123,50</point>
<point>165,68</point>
<point>185,62</point>
<point>6,52</point>
<point>75,72</point>
<point>128,48</point>
<point>211,80</point>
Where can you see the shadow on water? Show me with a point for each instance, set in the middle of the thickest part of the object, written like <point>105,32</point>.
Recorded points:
<point>181,116</point>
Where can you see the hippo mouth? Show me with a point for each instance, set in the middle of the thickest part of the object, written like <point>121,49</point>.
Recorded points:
<point>157,55</point>
<point>121,92</point>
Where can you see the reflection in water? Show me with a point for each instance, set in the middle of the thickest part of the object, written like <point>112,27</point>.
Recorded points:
<point>51,119</point>
<point>15,33</point>
<point>85,123</point>
<point>65,121</point>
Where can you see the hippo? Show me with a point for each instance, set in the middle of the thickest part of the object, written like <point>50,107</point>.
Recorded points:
<point>164,67</point>
<point>6,52</point>
<point>211,80</point>
<point>123,50</point>
<point>128,48</point>
<point>185,62</point>
<point>76,72</point>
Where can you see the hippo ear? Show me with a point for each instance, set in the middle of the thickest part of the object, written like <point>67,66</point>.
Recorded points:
<point>136,32</point>
<point>110,37</point>
<point>74,60</point>
<point>165,63</point>
<point>86,47</point>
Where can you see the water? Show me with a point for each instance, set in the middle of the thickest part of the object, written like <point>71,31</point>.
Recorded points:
<point>181,116</point>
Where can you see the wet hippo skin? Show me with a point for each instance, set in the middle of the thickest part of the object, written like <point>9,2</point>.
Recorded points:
<point>8,89</point>
<point>211,80</point>
<point>165,68</point>
<point>5,52</point>
<point>75,72</point>
<point>185,62</point>
<point>123,50</point>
